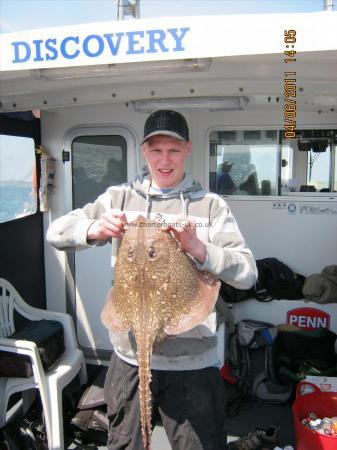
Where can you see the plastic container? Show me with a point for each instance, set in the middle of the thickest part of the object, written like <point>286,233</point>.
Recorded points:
<point>323,404</point>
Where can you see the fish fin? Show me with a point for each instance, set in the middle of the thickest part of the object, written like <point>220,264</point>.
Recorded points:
<point>200,308</point>
<point>158,341</point>
<point>110,317</point>
<point>120,339</point>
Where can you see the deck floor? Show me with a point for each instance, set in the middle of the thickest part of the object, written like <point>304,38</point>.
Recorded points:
<point>159,442</point>
<point>251,415</point>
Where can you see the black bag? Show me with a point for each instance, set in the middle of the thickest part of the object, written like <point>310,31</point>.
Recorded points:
<point>232,295</point>
<point>49,338</point>
<point>252,358</point>
<point>305,352</point>
<point>276,281</point>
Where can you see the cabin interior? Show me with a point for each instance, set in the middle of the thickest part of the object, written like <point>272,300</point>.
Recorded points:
<point>66,134</point>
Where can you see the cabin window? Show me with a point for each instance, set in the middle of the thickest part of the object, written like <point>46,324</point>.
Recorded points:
<point>255,162</point>
<point>318,169</point>
<point>244,162</point>
<point>313,156</point>
<point>17,177</point>
<point>97,163</point>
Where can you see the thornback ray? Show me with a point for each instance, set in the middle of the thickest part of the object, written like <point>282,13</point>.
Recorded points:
<point>157,292</point>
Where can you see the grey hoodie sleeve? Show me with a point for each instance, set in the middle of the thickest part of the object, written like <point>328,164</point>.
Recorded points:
<point>227,254</point>
<point>69,232</point>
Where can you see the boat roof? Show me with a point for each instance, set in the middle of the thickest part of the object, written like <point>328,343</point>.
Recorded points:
<point>205,55</point>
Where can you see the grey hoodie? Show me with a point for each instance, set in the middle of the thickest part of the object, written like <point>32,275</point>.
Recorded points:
<point>227,255</point>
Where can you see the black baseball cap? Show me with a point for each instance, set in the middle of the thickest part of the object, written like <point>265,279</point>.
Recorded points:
<point>164,121</point>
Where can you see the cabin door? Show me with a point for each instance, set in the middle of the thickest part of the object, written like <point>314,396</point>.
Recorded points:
<point>99,159</point>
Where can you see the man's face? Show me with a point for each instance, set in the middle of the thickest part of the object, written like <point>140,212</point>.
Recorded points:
<point>166,156</point>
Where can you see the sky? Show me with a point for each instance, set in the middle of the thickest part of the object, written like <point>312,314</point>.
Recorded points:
<point>17,158</point>
<point>17,15</point>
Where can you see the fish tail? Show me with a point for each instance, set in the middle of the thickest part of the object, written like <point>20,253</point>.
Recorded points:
<point>144,372</point>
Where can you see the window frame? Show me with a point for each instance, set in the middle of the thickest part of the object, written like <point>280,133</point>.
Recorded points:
<point>107,130</point>
<point>245,128</point>
<point>281,140</point>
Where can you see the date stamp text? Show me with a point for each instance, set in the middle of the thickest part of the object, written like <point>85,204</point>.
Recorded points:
<point>289,85</point>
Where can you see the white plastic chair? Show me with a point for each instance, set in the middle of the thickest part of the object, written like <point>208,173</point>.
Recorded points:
<point>51,383</point>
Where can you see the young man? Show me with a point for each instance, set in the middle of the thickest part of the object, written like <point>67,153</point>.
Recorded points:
<point>187,389</point>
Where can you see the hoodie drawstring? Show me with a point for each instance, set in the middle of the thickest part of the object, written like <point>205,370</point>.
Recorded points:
<point>147,205</point>
<point>184,202</point>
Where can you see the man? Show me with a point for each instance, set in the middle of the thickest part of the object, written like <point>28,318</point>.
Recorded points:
<point>224,183</point>
<point>186,387</point>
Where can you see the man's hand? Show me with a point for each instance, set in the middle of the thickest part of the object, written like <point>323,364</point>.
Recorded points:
<point>185,232</point>
<point>111,224</point>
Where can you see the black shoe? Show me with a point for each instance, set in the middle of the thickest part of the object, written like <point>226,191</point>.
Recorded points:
<point>258,439</point>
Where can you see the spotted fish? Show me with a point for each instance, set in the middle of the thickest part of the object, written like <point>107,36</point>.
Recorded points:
<point>157,292</point>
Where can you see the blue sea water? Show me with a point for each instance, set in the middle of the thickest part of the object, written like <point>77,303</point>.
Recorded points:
<point>16,201</point>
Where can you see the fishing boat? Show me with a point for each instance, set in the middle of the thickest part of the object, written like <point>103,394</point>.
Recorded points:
<point>259,92</point>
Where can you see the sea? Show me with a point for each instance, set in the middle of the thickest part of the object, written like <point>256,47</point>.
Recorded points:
<point>16,201</point>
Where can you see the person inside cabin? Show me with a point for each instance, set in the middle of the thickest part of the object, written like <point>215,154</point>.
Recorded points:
<point>114,174</point>
<point>187,389</point>
<point>84,187</point>
<point>224,183</point>
<point>250,185</point>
